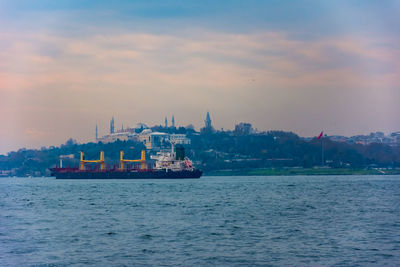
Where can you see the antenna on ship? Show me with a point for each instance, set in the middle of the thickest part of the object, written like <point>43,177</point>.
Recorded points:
<point>173,142</point>
<point>97,133</point>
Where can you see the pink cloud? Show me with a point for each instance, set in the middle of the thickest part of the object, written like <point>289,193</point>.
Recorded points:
<point>235,73</point>
<point>222,60</point>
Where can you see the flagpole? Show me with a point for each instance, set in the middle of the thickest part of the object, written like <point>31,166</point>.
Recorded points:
<point>321,136</point>
<point>322,151</point>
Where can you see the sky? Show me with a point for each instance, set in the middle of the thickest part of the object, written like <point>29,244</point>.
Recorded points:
<point>301,66</point>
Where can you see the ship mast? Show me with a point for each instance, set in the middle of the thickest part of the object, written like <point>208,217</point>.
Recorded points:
<point>172,148</point>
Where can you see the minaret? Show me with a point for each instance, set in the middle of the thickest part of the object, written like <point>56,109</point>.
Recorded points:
<point>207,122</point>
<point>173,121</point>
<point>166,122</point>
<point>97,133</point>
<point>112,125</point>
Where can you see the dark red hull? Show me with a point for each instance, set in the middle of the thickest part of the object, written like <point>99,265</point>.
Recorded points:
<point>60,173</point>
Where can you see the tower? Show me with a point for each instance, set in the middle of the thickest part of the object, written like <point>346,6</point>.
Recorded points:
<point>207,125</point>
<point>97,133</point>
<point>112,125</point>
<point>166,122</point>
<point>207,122</point>
<point>173,121</point>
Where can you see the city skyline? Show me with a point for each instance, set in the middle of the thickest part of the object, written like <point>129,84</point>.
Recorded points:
<point>391,138</point>
<point>303,66</point>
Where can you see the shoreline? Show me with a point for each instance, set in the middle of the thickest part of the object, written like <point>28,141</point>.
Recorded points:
<point>283,172</point>
<point>302,171</point>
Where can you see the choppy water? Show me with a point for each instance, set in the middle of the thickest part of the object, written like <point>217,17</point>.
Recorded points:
<point>229,221</point>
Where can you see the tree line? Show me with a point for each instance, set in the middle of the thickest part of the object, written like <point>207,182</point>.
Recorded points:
<point>216,151</point>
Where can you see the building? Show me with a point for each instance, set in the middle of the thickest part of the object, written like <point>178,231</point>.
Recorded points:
<point>179,139</point>
<point>172,122</point>
<point>338,138</point>
<point>112,125</point>
<point>153,140</point>
<point>378,137</point>
<point>157,140</point>
<point>141,133</point>
<point>208,128</point>
<point>207,122</point>
<point>122,134</point>
<point>396,138</point>
<point>243,128</point>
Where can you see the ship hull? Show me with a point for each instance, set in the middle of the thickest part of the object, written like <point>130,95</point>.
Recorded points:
<point>152,174</point>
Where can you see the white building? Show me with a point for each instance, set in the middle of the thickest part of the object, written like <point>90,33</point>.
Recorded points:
<point>179,139</point>
<point>153,140</point>
<point>122,136</point>
<point>158,140</point>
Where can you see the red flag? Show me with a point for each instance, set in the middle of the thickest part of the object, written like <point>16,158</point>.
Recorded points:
<point>320,135</point>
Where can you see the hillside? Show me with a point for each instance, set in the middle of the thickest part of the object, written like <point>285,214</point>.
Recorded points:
<point>218,151</point>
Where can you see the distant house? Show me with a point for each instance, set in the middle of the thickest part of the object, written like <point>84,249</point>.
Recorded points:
<point>243,128</point>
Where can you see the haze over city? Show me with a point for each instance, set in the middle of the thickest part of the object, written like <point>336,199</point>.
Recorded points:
<point>301,66</point>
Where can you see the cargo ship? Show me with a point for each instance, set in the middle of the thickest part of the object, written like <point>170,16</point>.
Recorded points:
<point>168,165</point>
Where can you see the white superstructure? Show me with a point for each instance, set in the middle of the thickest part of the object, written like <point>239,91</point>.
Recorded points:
<point>167,161</point>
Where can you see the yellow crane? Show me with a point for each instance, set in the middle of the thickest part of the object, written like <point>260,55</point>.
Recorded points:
<point>83,161</point>
<point>142,160</point>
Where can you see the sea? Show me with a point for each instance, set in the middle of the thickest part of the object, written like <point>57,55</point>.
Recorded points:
<point>211,221</point>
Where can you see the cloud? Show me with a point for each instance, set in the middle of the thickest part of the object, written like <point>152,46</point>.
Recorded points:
<point>48,78</point>
<point>211,59</point>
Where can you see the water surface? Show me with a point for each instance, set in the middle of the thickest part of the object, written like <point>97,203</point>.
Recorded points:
<point>228,221</point>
